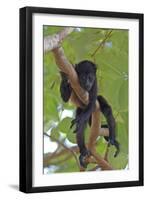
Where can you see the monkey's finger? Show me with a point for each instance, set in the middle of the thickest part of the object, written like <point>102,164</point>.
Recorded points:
<point>72,123</point>
<point>116,153</point>
<point>77,129</point>
<point>117,148</point>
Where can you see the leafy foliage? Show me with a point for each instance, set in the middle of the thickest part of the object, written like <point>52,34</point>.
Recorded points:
<point>109,50</point>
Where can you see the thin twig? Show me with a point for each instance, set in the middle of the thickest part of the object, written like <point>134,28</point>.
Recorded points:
<point>65,147</point>
<point>106,153</point>
<point>101,162</point>
<point>101,44</point>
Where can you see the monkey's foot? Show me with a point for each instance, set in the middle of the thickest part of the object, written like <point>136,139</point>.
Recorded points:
<point>114,143</point>
<point>83,158</point>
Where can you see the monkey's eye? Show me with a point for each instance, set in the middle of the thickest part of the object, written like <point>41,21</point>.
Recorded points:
<point>91,77</point>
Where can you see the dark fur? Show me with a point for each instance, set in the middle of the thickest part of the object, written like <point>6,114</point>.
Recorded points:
<point>86,71</point>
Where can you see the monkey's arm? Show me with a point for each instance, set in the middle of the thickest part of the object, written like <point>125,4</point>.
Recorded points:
<point>65,88</point>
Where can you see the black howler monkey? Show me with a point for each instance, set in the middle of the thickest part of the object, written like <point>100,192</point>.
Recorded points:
<point>86,71</point>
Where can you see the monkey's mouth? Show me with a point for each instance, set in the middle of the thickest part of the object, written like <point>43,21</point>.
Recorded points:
<point>87,87</point>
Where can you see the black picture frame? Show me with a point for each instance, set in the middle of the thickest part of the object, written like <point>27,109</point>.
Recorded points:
<point>26,90</point>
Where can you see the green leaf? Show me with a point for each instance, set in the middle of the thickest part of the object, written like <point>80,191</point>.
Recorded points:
<point>101,146</point>
<point>49,30</point>
<point>123,95</point>
<point>121,160</point>
<point>122,136</point>
<point>68,164</point>
<point>72,137</point>
<point>64,125</point>
<point>110,89</point>
<point>118,162</point>
<point>55,134</point>
<point>125,118</point>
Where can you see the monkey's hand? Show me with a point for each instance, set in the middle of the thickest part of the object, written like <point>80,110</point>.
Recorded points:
<point>79,122</point>
<point>83,158</point>
<point>115,143</point>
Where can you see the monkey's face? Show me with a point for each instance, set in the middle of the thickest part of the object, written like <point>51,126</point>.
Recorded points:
<point>86,71</point>
<point>87,80</point>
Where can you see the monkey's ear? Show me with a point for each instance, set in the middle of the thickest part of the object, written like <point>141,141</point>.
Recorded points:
<point>96,67</point>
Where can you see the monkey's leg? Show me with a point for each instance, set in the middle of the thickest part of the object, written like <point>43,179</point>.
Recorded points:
<point>84,153</point>
<point>107,111</point>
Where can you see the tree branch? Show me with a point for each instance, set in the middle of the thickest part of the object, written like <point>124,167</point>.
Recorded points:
<point>53,41</point>
<point>49,156</point>
<point>102,163</point>
<point>68,149</point>
<point>66,67</point>
<point>95,127</point>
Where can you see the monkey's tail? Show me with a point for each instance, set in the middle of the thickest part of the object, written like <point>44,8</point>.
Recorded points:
<point>107,111</point>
